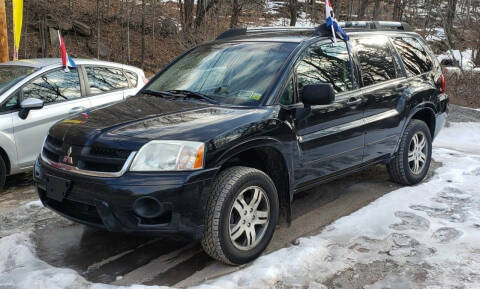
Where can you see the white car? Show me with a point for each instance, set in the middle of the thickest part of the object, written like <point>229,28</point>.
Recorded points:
<point>36,93</point>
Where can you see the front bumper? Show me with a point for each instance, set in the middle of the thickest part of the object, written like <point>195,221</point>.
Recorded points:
<point>108,202</point>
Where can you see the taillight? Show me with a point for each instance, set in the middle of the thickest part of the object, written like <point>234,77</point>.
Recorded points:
<point>145,80</point>
<point>443,87</point>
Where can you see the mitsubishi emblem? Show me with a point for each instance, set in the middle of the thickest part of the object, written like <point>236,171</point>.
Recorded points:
<point>68,159</point>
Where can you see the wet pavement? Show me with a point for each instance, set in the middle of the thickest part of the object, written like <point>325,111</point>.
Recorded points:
<point>122,259</point>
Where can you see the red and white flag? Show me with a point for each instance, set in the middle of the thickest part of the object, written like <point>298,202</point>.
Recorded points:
<point>67,61</point>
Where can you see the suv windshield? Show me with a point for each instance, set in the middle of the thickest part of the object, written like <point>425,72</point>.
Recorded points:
<point>9,75</point>
<point>233,73</point>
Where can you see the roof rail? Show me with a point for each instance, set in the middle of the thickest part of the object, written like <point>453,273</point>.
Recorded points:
<point>320,30</point>
<point>243,31</point>
<point>375,25</point>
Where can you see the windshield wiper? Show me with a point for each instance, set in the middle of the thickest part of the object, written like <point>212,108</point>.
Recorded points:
<point>192,93</point>
<point>156,93</point>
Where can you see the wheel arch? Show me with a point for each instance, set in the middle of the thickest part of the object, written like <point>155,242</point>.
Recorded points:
<point>425,112</point>
<point>270,156</point>
<point>6,159</point>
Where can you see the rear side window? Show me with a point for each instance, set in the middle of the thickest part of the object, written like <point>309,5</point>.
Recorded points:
<point>105,79</point>
<point>132,76</point>
<point>55,86</point>
<point>326,63</point>
<point>414,55</point>
<point>376,60</point>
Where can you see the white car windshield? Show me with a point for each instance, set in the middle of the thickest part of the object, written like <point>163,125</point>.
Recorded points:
<point>11,74</point>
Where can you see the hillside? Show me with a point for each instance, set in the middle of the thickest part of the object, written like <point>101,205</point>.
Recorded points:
<point>171,27</point>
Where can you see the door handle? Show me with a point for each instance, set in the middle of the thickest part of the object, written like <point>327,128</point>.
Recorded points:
<point>76,110</point>
<point>354,101</point>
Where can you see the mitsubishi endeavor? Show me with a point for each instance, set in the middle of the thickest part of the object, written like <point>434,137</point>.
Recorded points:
<point>215,146</point>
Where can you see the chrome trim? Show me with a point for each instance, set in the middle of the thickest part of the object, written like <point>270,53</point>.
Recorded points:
<point>347,126</point>
<point>381,116</point>
<point>78,171</point>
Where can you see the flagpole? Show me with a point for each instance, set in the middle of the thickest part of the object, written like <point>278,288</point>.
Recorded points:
<point>333,33</point>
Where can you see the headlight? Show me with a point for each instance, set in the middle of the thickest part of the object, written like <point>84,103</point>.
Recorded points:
<point>160,155</point>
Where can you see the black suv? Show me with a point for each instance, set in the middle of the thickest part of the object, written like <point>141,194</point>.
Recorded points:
<point>216,145</point>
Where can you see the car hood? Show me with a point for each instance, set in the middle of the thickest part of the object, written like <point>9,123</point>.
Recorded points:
<point>144,118</point>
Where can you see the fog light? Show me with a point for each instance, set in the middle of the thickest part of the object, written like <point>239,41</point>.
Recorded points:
<point>148,207</point>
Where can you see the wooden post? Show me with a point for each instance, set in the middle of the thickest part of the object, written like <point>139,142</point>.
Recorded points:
<point>3,33</point>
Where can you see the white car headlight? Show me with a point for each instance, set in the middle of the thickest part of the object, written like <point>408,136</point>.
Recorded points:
<point>159,155</point>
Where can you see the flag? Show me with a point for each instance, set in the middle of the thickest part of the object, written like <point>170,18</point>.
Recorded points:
<point>333,24</point>
<point>67,61</point>
<point>17,26</point>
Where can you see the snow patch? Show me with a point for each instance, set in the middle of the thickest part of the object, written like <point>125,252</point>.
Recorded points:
<point>33,204</point>
<point>420,236</point>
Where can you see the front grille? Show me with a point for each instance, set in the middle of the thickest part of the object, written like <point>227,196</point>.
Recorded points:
<point>109,152</point>
<point>92,158</point>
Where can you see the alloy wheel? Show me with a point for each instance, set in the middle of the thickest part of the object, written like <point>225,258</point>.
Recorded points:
<point>417,153</point>
<point>249,218</point>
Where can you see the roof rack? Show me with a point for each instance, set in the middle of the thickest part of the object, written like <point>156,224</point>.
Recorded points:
<point>375,25</point>
<point>320,30</point>
<point>244,31</point>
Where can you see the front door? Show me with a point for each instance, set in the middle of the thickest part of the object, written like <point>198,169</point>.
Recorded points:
<point>330,136</point>
<point>62,96</point>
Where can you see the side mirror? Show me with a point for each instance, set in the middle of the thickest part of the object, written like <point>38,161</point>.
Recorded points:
<point>318,94</point>
<point>28,104</point>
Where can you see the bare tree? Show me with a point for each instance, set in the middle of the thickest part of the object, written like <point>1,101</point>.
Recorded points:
<point>98,29</point>
<point>236,10</point>
<point>154,18</point>
<point>396,9</point>
<point>186,10</point>
<point>362,8</point>
<point>129,16</point>
<point>376,11</point>
<point>350,10</point>
<point>451,9</point>
<point>292,7</point>
<point>203,6</point>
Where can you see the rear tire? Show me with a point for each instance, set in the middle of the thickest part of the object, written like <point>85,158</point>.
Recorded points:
<point>411,164</point>
<point>241,215</point>
<point>3,173</point>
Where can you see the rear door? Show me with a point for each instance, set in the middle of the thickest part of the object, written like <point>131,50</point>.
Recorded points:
<point>62,95</point>
<point>384,85</point>
<point>106,85</point>
<point>330,136</point>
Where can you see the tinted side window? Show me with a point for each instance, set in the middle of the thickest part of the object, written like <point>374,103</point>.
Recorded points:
<point>414,56</point>
<point>104,79</point>
<point>326,63</point>
<point>54,86</point>
<point>376,60</point>
<point>132,77</point>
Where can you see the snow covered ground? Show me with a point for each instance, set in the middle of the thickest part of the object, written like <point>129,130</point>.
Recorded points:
<point>426,236</point>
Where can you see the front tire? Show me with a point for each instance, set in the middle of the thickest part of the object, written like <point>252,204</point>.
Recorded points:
<point>411,164</point>
<point>241,215</point>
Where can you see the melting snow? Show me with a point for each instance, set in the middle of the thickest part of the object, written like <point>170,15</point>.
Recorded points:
<point>415,237</point>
